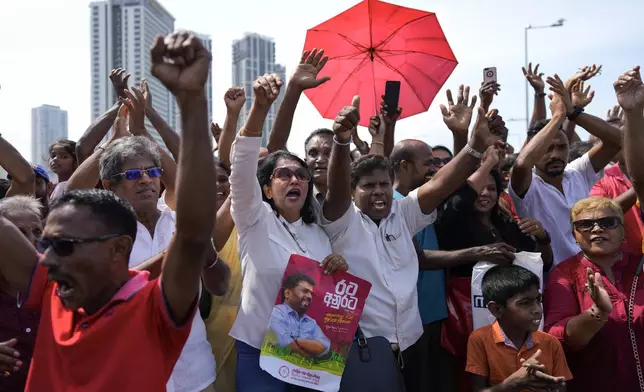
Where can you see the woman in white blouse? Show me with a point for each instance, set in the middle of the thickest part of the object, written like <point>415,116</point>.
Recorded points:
<point>274,219</point>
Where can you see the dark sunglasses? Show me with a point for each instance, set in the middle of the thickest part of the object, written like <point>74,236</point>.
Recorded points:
<point>285,174</point>
<point>64,247</point>
<point>441,161</point>
<point>606,223</point>
<point>137,174</point>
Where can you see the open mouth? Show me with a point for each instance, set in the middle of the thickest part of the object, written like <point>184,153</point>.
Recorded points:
<point>536,321</point>
<point>319,170</point>
<point>598,239</point>
<point>484,203</point>
<point>147,192</point>
<point>65,288</point>
<point>379,205</point>
<point>293,194</point>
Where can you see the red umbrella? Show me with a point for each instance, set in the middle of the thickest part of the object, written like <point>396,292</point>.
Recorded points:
<point>373,42</point>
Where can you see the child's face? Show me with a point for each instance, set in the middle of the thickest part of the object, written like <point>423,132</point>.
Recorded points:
<point>524,310</point>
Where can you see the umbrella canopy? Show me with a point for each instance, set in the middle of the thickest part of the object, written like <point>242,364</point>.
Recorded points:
<point>373,42</point>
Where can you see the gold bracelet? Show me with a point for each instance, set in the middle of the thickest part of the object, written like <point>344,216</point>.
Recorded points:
<point>377,142</point>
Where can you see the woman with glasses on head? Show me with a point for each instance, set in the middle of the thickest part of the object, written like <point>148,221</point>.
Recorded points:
<point>594,302</point>
<point>272,211</point>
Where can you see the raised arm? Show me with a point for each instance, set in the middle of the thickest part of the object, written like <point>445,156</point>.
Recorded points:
<point>610,137</point>
<point>169,136</point>
<point>304,78</point>
<point>87,174</point>
<point>196,182</point>
<point>99,128</point>
<point>458,116</point>
<point>539,144</point>
<point>338,196</point>
<point>235,98</point>
<point>22,175</point>
<point>536,81</point>
<point>18,259</point>
<point>245,193</point>
<point>136,105</point>
<point>630,96</point>
<point>377,129</point>
<point>454,174</point>
<point>490,160</point>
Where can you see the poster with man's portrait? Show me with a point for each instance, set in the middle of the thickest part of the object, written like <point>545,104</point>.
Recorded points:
<point>312,325</point>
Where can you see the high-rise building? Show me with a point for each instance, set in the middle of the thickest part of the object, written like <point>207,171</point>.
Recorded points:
<point>253,56</point>
<point>122,32</point>
<point>48,124</point>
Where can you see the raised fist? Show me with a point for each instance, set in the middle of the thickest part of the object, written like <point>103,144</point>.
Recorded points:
<point>181,63</point>
<point>266,89</point>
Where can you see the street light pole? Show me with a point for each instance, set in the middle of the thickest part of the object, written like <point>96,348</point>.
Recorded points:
<point>558,23</point>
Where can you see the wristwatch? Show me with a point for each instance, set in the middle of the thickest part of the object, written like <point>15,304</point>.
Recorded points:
<point>576,111</point>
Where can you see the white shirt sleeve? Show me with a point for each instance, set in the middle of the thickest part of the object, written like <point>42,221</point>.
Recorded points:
<point>245,193</point>
<point>523,204</point>
<point>413,215</point>
<point>583,167</point>
<point>340,226</point>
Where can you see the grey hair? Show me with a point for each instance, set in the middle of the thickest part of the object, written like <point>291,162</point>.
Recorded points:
<point>20,203</point>
<point>116,153</point>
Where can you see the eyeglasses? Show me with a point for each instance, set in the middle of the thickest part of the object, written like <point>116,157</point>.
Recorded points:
<point>436,161</point>
<point>64,247</point>
<point>137,174</point>
<point>285,174</point>
<point>606,223</point>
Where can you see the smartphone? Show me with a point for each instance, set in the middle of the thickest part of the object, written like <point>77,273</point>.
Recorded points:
<point>392,94</point>
<point>489,75</point>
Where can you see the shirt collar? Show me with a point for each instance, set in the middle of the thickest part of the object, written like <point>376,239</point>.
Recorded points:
<point>501,337</point>
<point>138,280</point>
<point>614,171</point>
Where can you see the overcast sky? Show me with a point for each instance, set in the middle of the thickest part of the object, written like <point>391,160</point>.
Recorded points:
<point>45,52</point>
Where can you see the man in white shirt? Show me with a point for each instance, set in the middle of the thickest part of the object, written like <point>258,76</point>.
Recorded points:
<point>375,232</point>
<point>130,167</point>
<point>543,187</point>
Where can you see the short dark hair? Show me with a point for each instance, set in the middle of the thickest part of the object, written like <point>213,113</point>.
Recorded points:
<point>317,132</point>
<point>366,165</point>
<point>115,213</point>
<point>441,147</point>
<point>293,280</point>
<point>578,149</point>
<point>4,187</point>
<point>265,171</point>
<point>503,282</point>
<point>538,126</point>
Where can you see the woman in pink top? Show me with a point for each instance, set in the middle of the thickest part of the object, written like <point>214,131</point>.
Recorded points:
<point>594,303</point>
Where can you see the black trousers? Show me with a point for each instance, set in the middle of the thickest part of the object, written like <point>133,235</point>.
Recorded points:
<point>426,364</point>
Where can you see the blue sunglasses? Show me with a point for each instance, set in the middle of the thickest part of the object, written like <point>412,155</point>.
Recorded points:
<point>137,174</point>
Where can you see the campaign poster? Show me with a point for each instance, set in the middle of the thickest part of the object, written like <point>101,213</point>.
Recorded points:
<point>312,325</point>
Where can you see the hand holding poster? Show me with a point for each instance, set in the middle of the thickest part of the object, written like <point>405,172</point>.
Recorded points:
<point>312,325</point>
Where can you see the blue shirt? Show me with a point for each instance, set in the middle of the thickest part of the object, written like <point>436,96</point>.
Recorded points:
<point>288,326</point>
<point>431,283</point>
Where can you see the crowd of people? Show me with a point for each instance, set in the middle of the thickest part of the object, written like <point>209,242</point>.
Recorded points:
<point>148,269</point>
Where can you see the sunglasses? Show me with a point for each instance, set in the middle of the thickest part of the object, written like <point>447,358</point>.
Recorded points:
<point>137,174</point>
<point>285,174</point>
<point>441,161</point>
<point>64,247</point>
<point>607,223</point>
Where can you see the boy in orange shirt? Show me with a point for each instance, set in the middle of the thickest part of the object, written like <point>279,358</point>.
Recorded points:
<point>512,354</point>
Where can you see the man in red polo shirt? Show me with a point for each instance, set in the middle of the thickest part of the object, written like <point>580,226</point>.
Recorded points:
<point>104,328</point>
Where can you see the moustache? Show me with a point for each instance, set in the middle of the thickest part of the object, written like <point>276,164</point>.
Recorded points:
<point>555,160</point>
